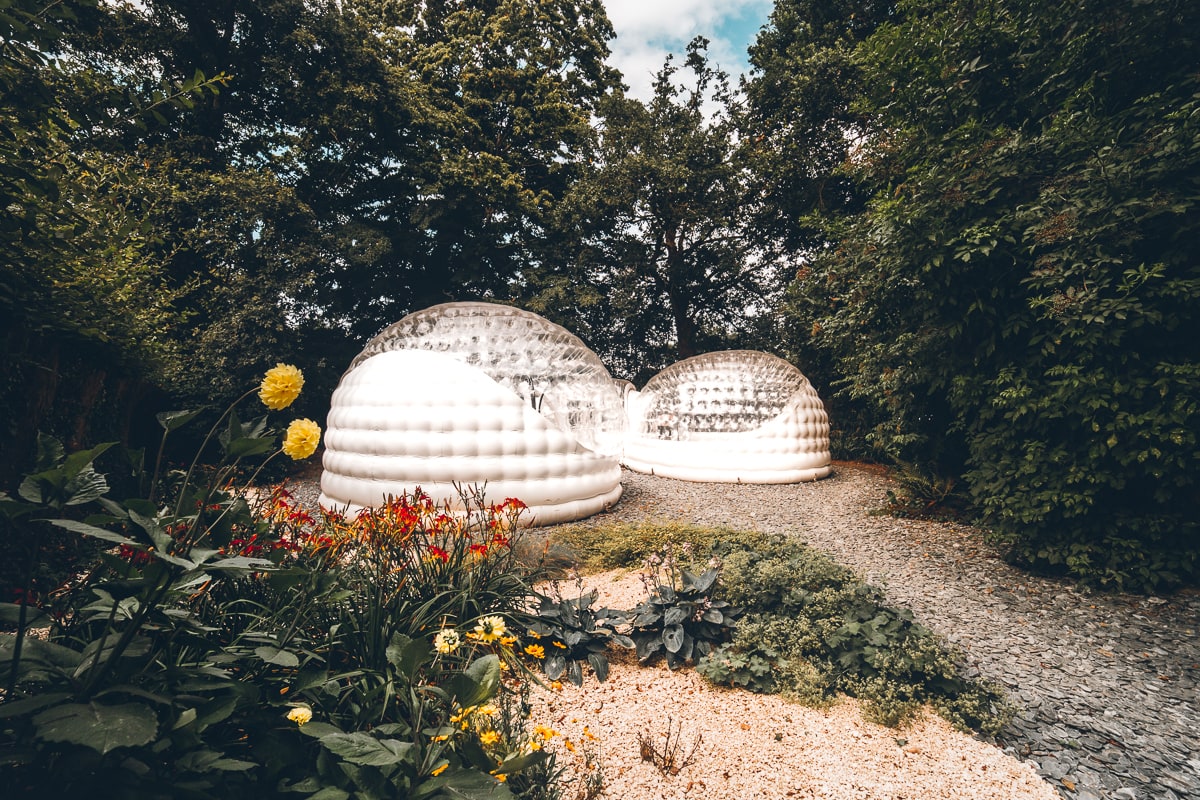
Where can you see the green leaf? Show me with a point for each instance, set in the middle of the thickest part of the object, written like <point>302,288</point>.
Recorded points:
<point>84,529</point>
<point>173,420</point>
<point>10,614</point>
<point>102,728</point>
<point>599,665</point>
<point>211,761</point>
<point>672,638</point>
<point>330,793</point>
<point>407,654</point>
<point>554,667</point>
<point>476,683</point>
<point>365,749</point>
<point>469,784</point>
<point>274,655</point>
<point>28,705</point>
<point>246,446</point>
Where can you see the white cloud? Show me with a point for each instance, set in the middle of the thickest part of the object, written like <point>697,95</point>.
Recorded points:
<point>649,29</point>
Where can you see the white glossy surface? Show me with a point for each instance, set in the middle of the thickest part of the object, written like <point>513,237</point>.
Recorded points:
<point>736,416</point>
<point>403,419</point>
<point>548,366</point>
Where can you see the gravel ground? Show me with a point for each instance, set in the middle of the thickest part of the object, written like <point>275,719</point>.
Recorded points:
<point>1107,683</point>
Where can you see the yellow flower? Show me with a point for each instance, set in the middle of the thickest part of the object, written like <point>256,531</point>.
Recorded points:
<point>488,710</point>
<point>438,770</point>
<point>556,685</point>
<point>567,743</point>
<point>303,436</point>
<point>489,629</point>
<point>447,640</point>
<point>300,715</point>
<point>508,641</point>
<point>489,737</point>
<point>281,386</point>
<point>544,732</point>
<point>535,650</point>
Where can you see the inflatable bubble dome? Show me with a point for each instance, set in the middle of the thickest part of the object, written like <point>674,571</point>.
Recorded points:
<point>476,394</point>
<point>736,416</point>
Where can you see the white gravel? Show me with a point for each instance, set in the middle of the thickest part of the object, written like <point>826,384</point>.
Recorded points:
<point>763,746</point>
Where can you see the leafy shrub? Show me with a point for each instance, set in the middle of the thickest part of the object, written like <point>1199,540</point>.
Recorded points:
<point>629,544</point>
<point>923,494</point>
<point>567,631</point>
<point>680,620</point>
<point>817,630</point>
<point>226,646</point>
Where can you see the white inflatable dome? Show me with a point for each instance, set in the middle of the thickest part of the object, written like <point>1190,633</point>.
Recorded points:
<point>476,394</point>
<point>736,416</point>
<point>556,373</point>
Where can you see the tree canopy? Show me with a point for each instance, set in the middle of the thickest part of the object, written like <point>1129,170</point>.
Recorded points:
<point>1016,297</point>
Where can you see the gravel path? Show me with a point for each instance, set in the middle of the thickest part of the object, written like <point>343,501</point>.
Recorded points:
<point>1107,683</point>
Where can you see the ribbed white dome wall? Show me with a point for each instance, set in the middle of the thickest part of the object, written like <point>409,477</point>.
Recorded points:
<point>403,419</point>
<point>736,416</point>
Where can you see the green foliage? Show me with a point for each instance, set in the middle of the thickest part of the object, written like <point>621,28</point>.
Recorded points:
<point>629,544</point>
<point>680,620</point>
<point>1015,300</point>
<point>654,262</point>
<point>227,646</point>
<point>923,494</point>
<point>570,631</point>
<point>815,630</point>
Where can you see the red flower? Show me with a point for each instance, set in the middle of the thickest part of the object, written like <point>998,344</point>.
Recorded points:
<point>437,552</point>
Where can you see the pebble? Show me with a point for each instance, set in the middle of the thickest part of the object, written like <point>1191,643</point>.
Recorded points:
<point>1108,684</point>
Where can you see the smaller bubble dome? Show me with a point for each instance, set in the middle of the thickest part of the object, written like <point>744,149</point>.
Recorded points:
<point>735,415</point>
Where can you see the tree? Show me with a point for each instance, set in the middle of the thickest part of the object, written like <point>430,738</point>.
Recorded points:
<point>1018,295</point>
<point>83,301</point>
<point>497,99</point>
<point>801,118</point>
<point>662,267</point>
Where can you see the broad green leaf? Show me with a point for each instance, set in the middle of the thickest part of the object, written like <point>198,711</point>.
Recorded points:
<point>102,728</point>
<point>173,420</point>
<point>365,749</point>
<point>407,655</point>
<point>10,614</point>
<point>274,655</point>
<point>85,487</point>
<point>211,761</point>
<point>84,529</point>
<point>28,705</point>
<point>672,638</point>
<point>469,784</point>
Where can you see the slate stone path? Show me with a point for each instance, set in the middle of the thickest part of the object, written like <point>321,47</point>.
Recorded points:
<point>1108,685</point>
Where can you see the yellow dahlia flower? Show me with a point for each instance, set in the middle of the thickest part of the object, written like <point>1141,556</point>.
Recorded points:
<point>281,386</point>
<point>489,629</point>
<point>300,715</point>
<point>303,436</point>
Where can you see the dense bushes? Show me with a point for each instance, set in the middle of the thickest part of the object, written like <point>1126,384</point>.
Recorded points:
<point>1017,297</point>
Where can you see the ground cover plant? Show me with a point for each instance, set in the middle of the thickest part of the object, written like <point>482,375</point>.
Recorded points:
<point>228,643</point>
<point>809,628</point>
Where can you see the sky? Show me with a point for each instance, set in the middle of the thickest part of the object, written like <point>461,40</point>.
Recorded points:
<point>649,29</point>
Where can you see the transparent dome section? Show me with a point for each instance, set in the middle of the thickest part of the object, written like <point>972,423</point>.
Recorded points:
<point>551,369</point>
<point>737,416</point>
<point>408,419</point>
